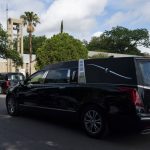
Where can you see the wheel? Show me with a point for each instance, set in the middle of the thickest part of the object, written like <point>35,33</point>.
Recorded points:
<point>94,122</point>
<point>12,106</point>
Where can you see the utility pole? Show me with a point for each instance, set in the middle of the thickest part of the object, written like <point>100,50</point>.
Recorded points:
<point>7,31</point>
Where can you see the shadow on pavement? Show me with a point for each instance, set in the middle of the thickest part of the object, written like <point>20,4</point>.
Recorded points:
<point>50,130</point>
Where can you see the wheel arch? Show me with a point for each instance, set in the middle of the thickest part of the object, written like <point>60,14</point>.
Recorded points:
<point>99,106</point>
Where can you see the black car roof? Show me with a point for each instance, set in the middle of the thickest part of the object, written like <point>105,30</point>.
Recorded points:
<point>10,73</point>
<point>73,64</point>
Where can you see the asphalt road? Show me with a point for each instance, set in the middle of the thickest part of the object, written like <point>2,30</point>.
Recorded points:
<point>33,131</point>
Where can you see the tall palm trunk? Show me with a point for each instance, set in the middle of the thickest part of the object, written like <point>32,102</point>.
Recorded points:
<point>30,19</point>
<point>30,49</point>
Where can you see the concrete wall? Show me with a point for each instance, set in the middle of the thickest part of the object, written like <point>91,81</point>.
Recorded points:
<point>3,67</point>
<point>92,53</point>
<point>24,68</point>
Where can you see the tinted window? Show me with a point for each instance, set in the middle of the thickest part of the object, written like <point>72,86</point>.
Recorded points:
<point>111,70</point>
<point>145,70</point>
<point>57,76</point>
<point>16,77</point>
<point>37,78</point>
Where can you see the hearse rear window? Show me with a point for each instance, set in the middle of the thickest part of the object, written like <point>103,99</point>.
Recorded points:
<point>57,76</point>
<point>145,70</point>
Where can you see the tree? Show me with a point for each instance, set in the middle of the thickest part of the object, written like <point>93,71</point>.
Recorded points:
<point>121,40</point>
<point>95,44</point>
<point>61,47</point>
<point>6,51</point>
<point>31,20</point>
<point>37,42</point>
<point>61,27</point>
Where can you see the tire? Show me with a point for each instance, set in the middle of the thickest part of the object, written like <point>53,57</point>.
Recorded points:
<point>94,122</point>
<point>12,106</point>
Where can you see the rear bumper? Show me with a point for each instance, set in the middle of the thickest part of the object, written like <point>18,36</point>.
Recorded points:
<point>130,122</point>
<point>144,117</point>
<point>145,120</point>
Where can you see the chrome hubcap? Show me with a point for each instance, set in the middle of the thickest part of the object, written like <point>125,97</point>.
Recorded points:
<point>92,121</point>
<point>11,105</point>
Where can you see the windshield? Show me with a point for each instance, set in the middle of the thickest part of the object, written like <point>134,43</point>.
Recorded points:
<point>145,70</point>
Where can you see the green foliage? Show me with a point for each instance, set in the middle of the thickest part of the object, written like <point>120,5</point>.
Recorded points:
<point>30,18</point>
<point>121,40</point>
<point>61,47</point>
<point>37,42</point>
<point>14,55</point>
<point>95,44</point>
<point>6,51</point>
<point>3,42</point>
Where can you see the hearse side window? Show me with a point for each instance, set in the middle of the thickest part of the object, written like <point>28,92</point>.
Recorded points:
<point>36,78</point>
<point>57,76</point>
<point>145,70</point>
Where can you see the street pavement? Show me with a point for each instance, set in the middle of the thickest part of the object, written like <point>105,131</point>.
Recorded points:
<point>36,131</point>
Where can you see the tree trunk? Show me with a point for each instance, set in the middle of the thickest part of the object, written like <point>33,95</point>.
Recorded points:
<point>30,49</point>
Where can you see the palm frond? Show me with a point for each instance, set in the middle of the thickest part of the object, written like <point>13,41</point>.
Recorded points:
<point>30,18</point>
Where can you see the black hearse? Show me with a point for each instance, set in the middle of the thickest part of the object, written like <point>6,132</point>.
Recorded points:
<point>102,92</point>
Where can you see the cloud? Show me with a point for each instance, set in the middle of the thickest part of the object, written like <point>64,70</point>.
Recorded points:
<point>144,49</point>
<point>79,16</point>
<point>130,13</point>
<point>82,18</point>
<point>97,34</point>
<point>17,7</point>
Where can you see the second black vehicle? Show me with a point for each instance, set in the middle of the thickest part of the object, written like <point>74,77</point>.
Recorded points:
<point>10,79</point>
<point>102,92</point>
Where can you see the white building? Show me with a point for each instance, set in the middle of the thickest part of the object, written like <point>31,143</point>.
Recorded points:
<point>23,69</point>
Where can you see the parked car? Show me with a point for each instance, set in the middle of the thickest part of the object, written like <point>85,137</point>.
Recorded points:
<point>102,92</point>
<point>9,79</point>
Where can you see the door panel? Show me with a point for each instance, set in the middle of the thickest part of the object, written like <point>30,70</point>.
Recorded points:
<point>30,93</point>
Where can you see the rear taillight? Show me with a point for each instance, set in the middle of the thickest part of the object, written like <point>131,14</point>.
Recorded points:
<point>134,96</point>
<point>7,83</point>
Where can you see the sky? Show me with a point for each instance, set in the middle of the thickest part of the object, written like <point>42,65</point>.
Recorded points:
<point>82,18</point>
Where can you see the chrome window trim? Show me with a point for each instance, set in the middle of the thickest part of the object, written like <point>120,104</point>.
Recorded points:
<point>45,74</point>
<point>81,72</point>
<point>144,87</point>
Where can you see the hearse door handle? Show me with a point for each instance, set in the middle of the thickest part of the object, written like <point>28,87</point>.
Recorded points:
<point>61,87</point>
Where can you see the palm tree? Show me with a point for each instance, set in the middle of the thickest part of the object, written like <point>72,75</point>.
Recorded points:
<point>31,20</point>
